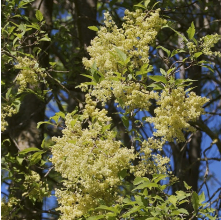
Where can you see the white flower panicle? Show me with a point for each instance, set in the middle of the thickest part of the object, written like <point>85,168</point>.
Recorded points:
<point>151,163</point>
<point>137,33</point>
<point>30,73</point>
<point>174,112</point>
<point>88,156</point>
<point>6,111</point>
<point>133,38</point>
<point>90,159</point>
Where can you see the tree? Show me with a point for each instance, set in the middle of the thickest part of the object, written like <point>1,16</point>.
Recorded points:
<point>139,70</point>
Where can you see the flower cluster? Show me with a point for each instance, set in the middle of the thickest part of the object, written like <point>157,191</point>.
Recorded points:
<point>175,111</point>
<point>35,188</point>
<point>90,159</point>
<point>30,73</point>
<point>6,111</point>
<point>151,163</point>
<point>8,206</point>
<point>208,42</point>
<point>129,95</point>
<point>137,32</point>
<point>133,39</point>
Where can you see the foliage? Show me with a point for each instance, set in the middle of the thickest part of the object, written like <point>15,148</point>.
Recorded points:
<point>97,175</point>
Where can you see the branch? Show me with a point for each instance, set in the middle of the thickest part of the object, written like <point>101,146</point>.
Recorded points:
<point>203,127</point>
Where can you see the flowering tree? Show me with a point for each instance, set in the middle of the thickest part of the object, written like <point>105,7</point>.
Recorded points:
<point>102,176</point>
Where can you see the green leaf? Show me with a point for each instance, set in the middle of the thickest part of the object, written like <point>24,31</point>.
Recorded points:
<point>179,34</point>
<point>36,157</point>
<point>164,49</point>
<point>88,76</point>
<point>121,54</point>
<point>158,78</point>
<point>139,5</point>
<point>122,174</point>
<point>27,150</point>
<point>39,15</point>
<point>156,86</point>
<point>139,180</point>
<point>93,28</point>
<point>104,207</point>
<point>159,177</point>
<point>44,122</point>
<point>96,217</point>
<point>195,201</point>
<point>45,38</point>
<point>196,55</point>
<point>146,185</point>
<point>173,200</point>
<point>191,31</point>
<point>125,121</point>
<point>146,3</point>
<point>8,93</point>
<point>187,186</point>
<point>163,72</point>
<point>201,198</point>
<point>17,104</point>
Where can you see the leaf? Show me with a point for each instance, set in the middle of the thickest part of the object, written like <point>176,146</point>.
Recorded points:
<point>195,201</point>
<point>17,104</point>
<point>191,31</point>
<point>163,72</point>
<point>164,49</point>
<point>104,207</point>
<point>39,15</point>
<point>187,186</point>
<point>96,217</point>
<point>179,34</point>
<point>36,157</point>
<point>93,28</point>
<point>159,177</point>
<point>156,86</point>
<point>158,78</point>
<point>88,76</point>
<point>8,93</point>
<point>122,174</point>
<point>139,180</point>
<point>146,3</point>
<point>125,121</point>
<point>173,200</point>
<point>146,185</point>
<point>45,38</point>
<point>44,122</point>
<point>201,198</point>
<point>139,5</point>
<point>196,55</point>
<point>121,54</point>
<point>27,150</point>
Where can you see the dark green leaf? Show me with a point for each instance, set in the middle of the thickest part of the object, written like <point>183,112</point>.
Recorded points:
<point>122,174</point>
<point>125,121</point>
<point>195,201</point>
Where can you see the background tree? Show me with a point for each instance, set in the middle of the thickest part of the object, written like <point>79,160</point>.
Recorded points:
<point>66,22</point>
